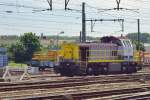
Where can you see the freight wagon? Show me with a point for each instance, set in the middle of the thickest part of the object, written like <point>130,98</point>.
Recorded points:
<point>44,60</point>
<point>145,58</point>
<point>111,55</point>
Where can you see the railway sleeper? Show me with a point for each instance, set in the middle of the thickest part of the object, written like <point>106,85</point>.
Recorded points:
<point>95,94</point>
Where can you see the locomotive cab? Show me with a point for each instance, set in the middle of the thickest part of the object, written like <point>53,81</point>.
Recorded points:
<point>126,50</point>
<point>125,47</point>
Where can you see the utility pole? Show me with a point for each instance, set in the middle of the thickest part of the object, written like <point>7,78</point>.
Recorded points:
<point>80,36</point>
<point>66,4</point>
<point>122,24</point>
<point>118,4</point>
<point>92,26</point>
<point>138,21</point>
<point>50,4</point>
<point>83,23</point>
<point>83,32</point>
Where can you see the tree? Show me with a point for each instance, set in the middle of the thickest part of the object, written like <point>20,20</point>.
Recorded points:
<point>139,46</point>
<point>31,44</point>
<point>18,52</point>
<point>144,37</point>
<point>23,50</point>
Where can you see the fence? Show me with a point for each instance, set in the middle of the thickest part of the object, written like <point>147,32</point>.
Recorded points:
<point>8,76</point>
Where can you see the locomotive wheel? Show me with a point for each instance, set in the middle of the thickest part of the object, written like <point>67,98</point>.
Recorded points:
<point>97,70</point>
<point>124,69</point>
<point>76,70</point>
<point>100,70</point>
<point>131,69</point>
<point>71,72</point>
<point>70,75</point>
<point>105,70</point>
<point>67,73</point>
<point>62,74</point>
<point>89,70</point>
<point>41,68</point>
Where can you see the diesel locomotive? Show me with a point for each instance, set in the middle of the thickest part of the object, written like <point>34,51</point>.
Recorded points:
<point>109,55</point>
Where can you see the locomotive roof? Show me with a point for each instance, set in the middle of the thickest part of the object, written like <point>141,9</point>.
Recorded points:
<point>96,43</point>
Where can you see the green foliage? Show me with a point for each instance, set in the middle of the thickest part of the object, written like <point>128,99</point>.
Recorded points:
<point>76,38</point>
<point>18,52</point>
<point>4,45</point>
<point>23,50</point>
<point>144,37</point>
<point>31,44</point>
<point>16,65</point>
<point>139,46</point>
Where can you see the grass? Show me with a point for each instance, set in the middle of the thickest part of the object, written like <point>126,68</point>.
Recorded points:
<point>13,41</point>
<point>16,65</point>
<point>7,41</point>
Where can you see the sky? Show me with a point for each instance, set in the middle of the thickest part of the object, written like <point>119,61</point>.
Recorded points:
<point>27,16</point>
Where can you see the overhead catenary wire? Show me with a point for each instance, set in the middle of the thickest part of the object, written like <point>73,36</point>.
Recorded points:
<point>127,17</point>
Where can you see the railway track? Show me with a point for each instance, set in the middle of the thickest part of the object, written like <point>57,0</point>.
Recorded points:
<point>75,79</point>
<point>130,96</point>
<point>71,82</point>
<point>87,87</point>
<point>105,93</point>
<point>127,93</point>
<point>135,96</point>
<point>60,85</point>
